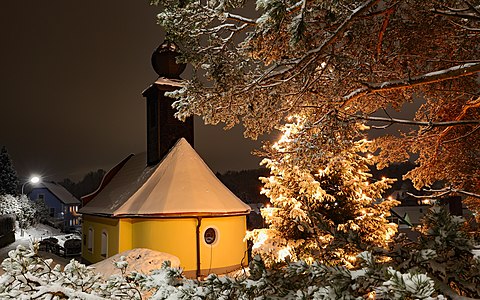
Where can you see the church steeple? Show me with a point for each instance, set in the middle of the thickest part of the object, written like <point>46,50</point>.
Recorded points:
<point>163,129</point>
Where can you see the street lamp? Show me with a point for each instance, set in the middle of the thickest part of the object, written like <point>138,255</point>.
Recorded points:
<point>33,179</point>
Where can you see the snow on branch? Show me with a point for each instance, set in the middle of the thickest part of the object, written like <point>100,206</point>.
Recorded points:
<point>428,78</point>
<point>464,15</point>
<point>418,123</point>
<point>239,18</point>
<point>437,193</point>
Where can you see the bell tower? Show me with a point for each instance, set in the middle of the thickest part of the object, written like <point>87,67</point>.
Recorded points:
<point>163,129</point>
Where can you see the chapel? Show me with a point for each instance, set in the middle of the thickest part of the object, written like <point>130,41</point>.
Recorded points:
<point>166,199</point>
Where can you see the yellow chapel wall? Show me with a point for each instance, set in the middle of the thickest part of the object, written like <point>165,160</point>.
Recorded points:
<point>99,224</point>
<point>177,236</point>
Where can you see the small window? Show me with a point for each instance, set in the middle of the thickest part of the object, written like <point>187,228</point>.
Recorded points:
<point>90,240</point>
<point>210,236</point>
<point>52,212</point>
<point>41,197</point>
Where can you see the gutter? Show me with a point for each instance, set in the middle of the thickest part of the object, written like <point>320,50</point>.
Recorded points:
<point>199,223</point>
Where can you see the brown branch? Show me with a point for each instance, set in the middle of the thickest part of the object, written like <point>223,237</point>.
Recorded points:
<point>428,78</point>
<point>388,12</point>
<point>464,27</point>
<point>463,136</point>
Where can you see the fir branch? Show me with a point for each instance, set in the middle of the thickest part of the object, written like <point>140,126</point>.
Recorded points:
<point>313,54</point>
<point>447,290</point>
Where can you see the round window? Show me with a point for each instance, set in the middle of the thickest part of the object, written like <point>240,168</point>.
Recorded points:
<point>210,236</point>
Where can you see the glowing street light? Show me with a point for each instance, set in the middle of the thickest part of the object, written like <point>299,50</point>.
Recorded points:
<point>33,180</point>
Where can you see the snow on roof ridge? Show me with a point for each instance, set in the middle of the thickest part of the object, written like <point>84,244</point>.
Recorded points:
<point>60,192</point>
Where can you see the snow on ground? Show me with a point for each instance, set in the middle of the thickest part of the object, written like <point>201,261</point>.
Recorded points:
<point>37,233</point>
<point>139,259</point>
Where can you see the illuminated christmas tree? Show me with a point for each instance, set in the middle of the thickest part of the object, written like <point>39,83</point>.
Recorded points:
<point>324,205</point>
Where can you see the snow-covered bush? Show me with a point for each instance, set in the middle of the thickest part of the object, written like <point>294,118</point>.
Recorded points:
<point>28,276</point>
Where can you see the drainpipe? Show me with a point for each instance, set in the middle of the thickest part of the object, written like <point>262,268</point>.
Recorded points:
<point>199,223</point>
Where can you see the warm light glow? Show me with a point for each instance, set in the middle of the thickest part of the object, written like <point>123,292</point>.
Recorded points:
<point>426,201</point>
<point>260,240</point>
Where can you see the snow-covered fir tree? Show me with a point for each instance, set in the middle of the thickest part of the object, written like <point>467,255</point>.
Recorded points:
<point>24,210</point>
<point>8,175</point>
<point>324,205</point>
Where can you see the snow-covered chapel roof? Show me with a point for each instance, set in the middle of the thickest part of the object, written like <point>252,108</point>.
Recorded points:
<point>180,185</point>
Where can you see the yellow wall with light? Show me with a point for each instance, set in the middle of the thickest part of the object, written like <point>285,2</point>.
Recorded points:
<point>99,224</point>
<point>176,236</point>
<point>229,250</point>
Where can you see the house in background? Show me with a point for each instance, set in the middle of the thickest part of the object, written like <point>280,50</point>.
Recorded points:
<point>62,205</point>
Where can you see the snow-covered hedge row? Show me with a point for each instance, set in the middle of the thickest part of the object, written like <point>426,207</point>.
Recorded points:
<point>440,264</point>
<point>28,276</point>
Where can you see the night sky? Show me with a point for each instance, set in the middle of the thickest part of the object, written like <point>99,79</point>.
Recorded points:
<point>72,73</point>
